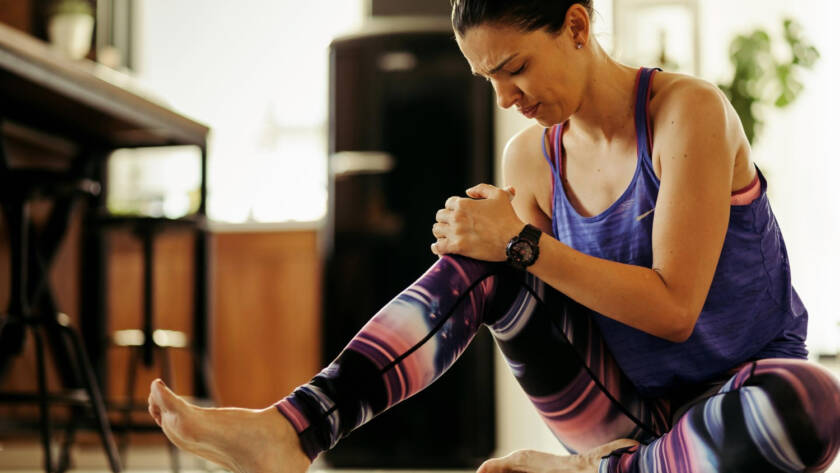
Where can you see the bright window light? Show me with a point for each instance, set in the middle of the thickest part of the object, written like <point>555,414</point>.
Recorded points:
<point>256,72</point>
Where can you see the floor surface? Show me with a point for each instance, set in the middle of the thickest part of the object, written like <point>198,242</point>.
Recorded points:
<point>25,457</point>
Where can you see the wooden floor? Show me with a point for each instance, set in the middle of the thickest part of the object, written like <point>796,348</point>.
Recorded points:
<point>26,457</point>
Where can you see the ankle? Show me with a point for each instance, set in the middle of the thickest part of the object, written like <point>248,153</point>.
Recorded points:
<point>284,432</point>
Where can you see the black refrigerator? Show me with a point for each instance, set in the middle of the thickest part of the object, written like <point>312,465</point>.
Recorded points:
<point>409,126</point>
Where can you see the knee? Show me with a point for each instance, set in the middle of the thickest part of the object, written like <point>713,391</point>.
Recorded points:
<point>806,398</point>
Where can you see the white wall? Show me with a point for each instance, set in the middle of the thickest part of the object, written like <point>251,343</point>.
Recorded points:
<point>795,149</point>
<point>796,153</point>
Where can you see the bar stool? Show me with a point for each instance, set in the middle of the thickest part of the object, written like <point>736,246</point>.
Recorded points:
<point>32,309</point>
<point>147,344</point>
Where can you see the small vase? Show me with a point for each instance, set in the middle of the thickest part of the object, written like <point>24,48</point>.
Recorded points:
<point>71,33</point>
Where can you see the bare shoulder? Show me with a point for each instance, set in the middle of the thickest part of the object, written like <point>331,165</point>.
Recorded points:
<point>525,168</point>
<point>683,107</point>
<point>523,148</point>
<point>687,98</point>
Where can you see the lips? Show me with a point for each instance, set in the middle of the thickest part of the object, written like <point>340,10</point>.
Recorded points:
<point>531,111</point>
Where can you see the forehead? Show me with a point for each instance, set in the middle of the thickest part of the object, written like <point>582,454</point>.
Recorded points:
<point>485,46</point>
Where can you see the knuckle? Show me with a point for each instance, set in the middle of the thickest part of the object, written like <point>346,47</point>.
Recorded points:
<point>521,456</point>
<point>487,466</point>
<point>455,244</point>
<point>457,231</point>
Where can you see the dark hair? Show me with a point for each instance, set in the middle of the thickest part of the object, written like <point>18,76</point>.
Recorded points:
<point>527,15</point>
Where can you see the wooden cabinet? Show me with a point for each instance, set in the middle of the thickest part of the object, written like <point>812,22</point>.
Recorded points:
<point>265,333</point>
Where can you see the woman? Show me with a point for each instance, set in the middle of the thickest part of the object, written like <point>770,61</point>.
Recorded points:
<point>632,274</point>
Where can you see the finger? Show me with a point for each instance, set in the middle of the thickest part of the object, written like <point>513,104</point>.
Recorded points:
<point>443,216</point>
<point>452,202</point>
<point>440,230</point>
<point>482,191</point>
<point>606,449</point>
<point>494,465</point>
<point>487,191</point>
<point>510,190</point>
<point>444,246</point>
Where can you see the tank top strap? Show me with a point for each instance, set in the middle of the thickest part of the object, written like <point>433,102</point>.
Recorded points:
<point>644,139</point>
<point>558,147</point>
<point>548,138</point>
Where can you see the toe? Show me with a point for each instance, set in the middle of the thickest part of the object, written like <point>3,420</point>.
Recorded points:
<point>163,397</point>
<point>154,410</point>
<point>154,406</point>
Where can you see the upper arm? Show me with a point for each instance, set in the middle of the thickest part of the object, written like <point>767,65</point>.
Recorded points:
<point>696,141</point>
<point>524,168</point>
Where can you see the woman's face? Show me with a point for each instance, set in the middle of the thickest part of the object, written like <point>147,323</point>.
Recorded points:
<point>539,73</point>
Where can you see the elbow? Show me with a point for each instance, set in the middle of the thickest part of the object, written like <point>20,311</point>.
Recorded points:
<point>682,329</point>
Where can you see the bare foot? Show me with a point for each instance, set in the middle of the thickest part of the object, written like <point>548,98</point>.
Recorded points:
<point>533,461</point>
<point>241,440</point>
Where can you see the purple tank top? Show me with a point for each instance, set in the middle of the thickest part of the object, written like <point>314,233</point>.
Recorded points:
<point>751,311</point>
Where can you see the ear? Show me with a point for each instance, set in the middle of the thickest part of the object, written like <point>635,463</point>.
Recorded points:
<point>577,24</point>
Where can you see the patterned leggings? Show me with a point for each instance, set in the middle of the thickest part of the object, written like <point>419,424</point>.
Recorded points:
<point>764,416</point>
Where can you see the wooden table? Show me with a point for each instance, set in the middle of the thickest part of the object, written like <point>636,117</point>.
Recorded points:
<point>86,111</point>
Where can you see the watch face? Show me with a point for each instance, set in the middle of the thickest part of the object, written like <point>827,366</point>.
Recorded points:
<point>522,251</point>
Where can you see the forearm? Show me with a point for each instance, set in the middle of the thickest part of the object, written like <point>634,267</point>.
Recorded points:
<point>634,295</point>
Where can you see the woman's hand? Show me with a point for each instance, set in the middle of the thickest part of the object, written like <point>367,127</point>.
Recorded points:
<point>478,227</point>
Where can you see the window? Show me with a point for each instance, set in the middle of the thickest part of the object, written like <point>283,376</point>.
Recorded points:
<point>255,71</point>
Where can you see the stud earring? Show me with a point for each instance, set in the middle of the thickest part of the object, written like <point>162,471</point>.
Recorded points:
<point>579,45</point>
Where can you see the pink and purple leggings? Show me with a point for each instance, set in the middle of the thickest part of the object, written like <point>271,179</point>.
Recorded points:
<point>763,416</point>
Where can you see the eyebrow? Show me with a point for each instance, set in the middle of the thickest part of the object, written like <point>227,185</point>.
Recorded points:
<point>499,66</point>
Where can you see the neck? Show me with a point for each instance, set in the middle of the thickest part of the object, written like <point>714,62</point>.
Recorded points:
<point>607,106</point>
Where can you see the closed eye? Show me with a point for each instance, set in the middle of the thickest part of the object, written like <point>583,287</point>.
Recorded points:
<point>518,71</point>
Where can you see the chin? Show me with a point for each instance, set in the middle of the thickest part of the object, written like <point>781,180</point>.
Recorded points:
<point>548,120</point>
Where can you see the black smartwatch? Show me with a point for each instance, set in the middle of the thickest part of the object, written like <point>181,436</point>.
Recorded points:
<point>522,250</point>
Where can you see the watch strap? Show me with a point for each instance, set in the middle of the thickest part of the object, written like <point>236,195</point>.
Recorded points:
<point>531,233</point>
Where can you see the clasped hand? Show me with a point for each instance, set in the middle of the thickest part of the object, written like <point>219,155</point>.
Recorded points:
<point>478,226</point>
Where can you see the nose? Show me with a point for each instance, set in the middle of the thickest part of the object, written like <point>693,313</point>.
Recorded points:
<point>507,93</point>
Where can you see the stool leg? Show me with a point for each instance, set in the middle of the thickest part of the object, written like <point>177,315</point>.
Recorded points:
<point>18,217</point>
<point>69,435</point>
<point>12,330</point>
<point>43,401</point>
<point>133,360</point>
<point>148,297</point>
<point>166,368</point>
<point>174,458</point>
<point>97,404</point>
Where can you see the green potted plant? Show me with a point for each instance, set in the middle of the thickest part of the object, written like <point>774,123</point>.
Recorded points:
<point>70,27</point>
<point>760,79</point>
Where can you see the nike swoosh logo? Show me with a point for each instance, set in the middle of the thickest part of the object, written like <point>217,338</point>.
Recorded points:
<point>644,214</point>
